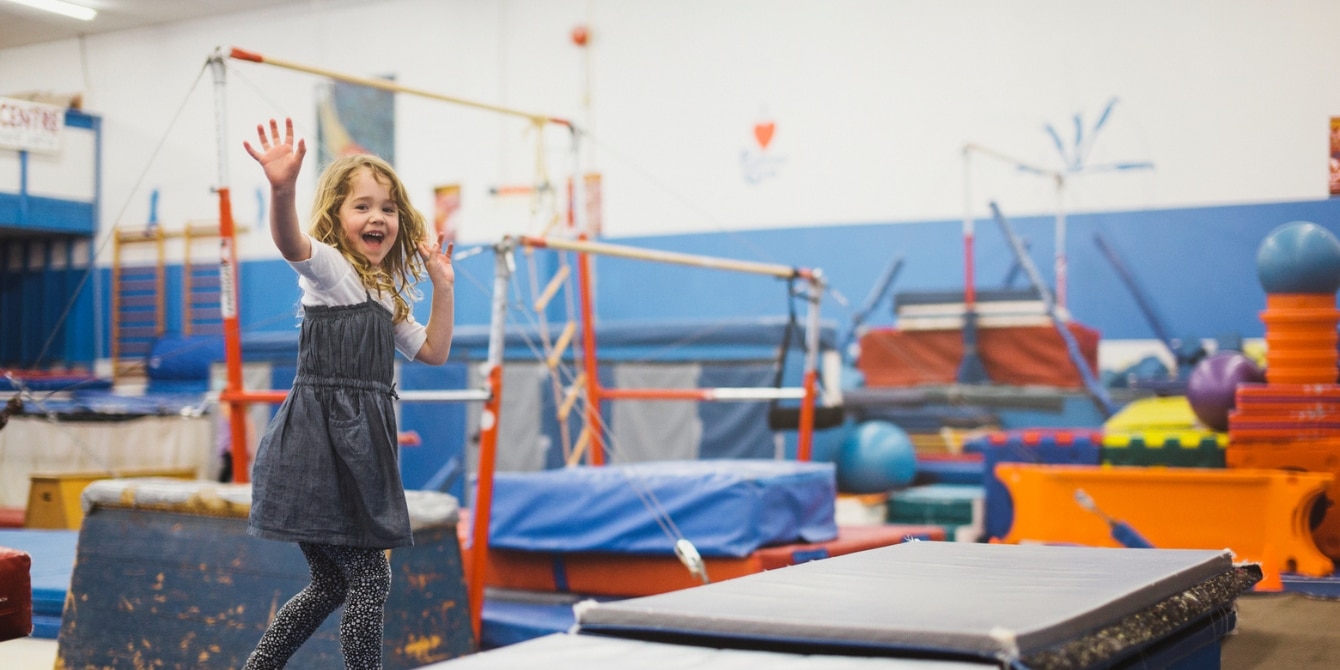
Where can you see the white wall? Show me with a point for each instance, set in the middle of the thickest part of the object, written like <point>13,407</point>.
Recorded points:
<point>872,103</point>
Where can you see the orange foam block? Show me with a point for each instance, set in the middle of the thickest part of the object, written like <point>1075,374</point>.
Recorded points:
<point>1310,456</point>
<point>1259,515</point>
<point>635,575</point>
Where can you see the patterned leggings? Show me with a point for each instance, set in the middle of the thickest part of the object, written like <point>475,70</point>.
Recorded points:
<point>359,574</point>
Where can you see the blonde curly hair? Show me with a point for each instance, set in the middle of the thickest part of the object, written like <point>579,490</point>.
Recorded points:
<point>402,268</point>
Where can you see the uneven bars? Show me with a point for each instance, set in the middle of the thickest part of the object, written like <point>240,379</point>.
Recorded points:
<point>242,54</point>
<point>776,270</point>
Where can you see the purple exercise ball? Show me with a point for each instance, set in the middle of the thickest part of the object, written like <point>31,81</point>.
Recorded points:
<point>1212,388</point>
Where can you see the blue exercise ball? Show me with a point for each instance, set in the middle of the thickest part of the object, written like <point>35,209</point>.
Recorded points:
<point>1299,257</point>
<point>877,456</point>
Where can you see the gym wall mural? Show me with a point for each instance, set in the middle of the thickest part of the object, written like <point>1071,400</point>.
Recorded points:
<point>354,119</point>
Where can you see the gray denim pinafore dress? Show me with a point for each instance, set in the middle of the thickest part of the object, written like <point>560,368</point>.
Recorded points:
<point>327,470</point>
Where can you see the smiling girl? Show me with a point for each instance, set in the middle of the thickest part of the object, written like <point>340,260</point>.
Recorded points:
<point>327,471</point>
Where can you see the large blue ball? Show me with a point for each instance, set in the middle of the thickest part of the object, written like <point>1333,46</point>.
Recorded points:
<point>1299,257</point>
<point>878,456</point>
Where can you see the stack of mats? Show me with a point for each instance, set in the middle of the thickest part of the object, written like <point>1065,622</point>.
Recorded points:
<point>1045,446</point>
<point>927,605</point>
<point>611,531</point>
<point>166,576</point>
<point>959,508</point>
<point>1291,427</point>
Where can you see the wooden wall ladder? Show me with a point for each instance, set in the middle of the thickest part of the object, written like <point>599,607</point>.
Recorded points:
<point>138,311</point>
<point>139,294</point>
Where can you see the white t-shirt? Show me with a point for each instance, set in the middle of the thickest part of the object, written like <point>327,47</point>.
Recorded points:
<point>327,278</point>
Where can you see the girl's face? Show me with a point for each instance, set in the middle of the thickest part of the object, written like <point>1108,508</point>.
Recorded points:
<point>369,216</point>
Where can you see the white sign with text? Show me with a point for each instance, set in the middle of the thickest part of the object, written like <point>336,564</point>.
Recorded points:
<point>31,126</point>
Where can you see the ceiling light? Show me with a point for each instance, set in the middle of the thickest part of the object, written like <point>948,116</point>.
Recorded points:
<point>60,7</point>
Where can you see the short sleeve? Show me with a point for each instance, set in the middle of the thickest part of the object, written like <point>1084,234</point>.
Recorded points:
<point>327,278</point>
<point>410,336</point>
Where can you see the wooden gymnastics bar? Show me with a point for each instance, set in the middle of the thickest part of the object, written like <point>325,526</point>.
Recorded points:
<point>601,248</point>
<point>382,84</point>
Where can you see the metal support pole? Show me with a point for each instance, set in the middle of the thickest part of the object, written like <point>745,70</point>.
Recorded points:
<point>503,267</point>
<point>228,284</point>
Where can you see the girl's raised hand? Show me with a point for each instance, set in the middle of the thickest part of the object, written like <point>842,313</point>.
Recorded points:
<point>278,156</point>
<point>438,262</point>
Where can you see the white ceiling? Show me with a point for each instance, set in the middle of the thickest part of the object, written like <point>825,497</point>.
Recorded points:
<point>21,25</point>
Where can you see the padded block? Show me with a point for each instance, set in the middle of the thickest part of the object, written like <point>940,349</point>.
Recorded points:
<point>943,504</point>
<point>624,575</point>
<point>1069,447</point>
<point>1031,604</point>
<point>163,588</point>
<point>1261,515</point>
<point>1321,456</point>
<point>728,507</point>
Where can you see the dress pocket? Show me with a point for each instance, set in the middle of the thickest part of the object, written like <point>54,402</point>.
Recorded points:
<point>345,409</point>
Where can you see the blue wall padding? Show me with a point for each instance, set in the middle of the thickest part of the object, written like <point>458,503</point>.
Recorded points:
<point>1059,447</point>
<point>1183,258</point>
<point>440,425</point>
<point>725,507</point>
<point>735,429</point>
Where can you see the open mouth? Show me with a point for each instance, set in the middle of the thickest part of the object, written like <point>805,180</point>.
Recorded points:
<point>374,240</point>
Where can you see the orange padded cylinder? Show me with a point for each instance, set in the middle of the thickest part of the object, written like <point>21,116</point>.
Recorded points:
<point>1301,338</point>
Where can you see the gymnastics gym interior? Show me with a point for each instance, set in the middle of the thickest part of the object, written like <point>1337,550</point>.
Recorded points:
<point>788,333</point>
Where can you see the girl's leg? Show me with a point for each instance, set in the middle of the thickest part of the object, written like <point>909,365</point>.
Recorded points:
<point>368,575</point>
<point>302,614</point>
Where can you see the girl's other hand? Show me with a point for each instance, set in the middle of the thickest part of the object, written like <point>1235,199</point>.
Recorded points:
<point>437,262</point>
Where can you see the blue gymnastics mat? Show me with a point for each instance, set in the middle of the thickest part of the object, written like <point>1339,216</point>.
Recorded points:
<point>730,507</point>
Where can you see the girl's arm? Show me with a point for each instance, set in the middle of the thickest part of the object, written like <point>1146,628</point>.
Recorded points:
<point>281,161</point>
<point>441,314</point>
